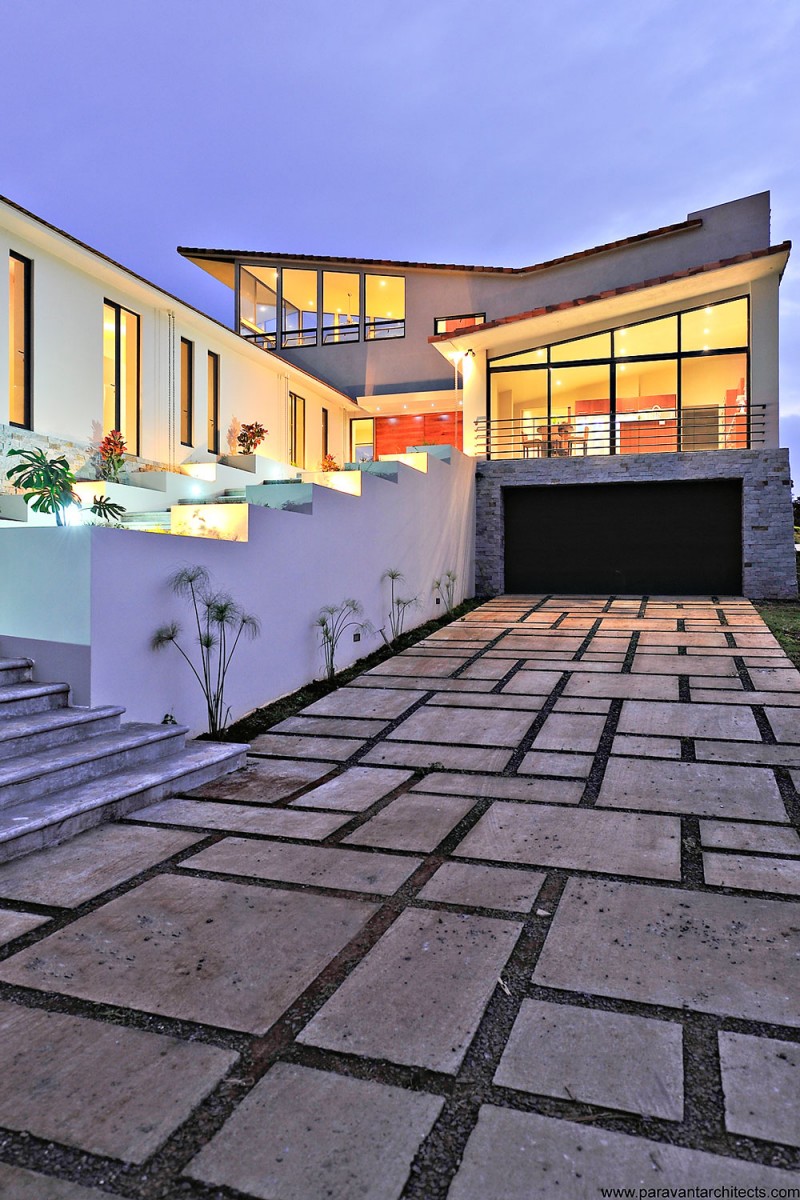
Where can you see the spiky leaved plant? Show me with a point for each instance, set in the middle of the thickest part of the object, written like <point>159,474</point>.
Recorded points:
<point>398,605</point>
<point>106,509</point>
<point>445,587</point>
<point>332,622</point>
<point>220,623</point>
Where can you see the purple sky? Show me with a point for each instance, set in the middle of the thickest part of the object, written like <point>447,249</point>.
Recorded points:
<point>435,130</point>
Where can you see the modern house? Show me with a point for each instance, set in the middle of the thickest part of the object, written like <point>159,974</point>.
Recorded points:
<point>652,361</point>
<point>605,421</point>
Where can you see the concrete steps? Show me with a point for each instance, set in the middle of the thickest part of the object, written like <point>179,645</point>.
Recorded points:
<point>64,769</point>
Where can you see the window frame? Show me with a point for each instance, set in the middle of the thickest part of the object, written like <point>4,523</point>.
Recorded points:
<point>371,337</point>
<point>187,393</point>
<point>297,405</point>
<point>480,319</point>
<point>118,310</point>
<point>27,341</point>
<point>213,402</point>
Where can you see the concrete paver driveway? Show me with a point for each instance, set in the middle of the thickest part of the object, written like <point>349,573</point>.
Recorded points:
<point>514,915</point>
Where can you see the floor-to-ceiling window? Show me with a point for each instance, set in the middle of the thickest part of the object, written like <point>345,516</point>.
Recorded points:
<point>340,307</point>
<point>258,305</point>
<point>213,402</point>
<point>20,341</point>
<point>677,382</point>
<point>297,430</point>
<point>187,392</point>
<point>121,373</point>
<point>298,307</point>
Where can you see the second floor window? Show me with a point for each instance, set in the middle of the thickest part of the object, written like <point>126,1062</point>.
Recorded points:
<point>213,402</point>
<point>454,324</point>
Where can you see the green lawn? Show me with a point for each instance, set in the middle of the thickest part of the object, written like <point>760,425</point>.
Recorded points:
<point>783,618</point>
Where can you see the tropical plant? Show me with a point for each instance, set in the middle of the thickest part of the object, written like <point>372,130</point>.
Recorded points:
<point>445,588</point>
<point>332,622</point>
<point>399,605</point>
<point>46,482</point>
<point>329,463</point>
<point>106,509</point>
<point>250,437</point>
<point>111,452</point>
<point>219,625</point>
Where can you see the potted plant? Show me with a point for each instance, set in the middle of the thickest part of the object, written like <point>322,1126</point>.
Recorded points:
<point>250,437</point>
<point>111,452</point>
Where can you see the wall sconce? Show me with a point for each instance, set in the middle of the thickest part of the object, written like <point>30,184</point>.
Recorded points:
<point>469,354</point>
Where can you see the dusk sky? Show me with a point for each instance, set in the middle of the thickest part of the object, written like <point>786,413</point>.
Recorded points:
<point>465,131</point>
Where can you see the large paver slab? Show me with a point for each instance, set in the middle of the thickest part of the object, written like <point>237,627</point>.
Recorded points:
<point>318,866</point>
<point>18,1184</point>
<point>673,664</point>
<point>464,726</point>
<point>622,687</point>
<point>244,818</point>
<point>707,789</point>
<point>293,745</point>
<point>721,954</point>
<point>426,754</point>
<point>418,996</point>
<point>220,953</point>
<point>530,704</point>
<point>487,668</point>
<point>69,874</point>
<point>302,1134</point>
<point>582,839</point>
<point>501,787</point>
<point>547,762</point>
<point>354,727</point>
<point>747,752</point>
<point>524,1156</point>
<point>14,924</point>
<point>412,822</point>
<point>737,835</point>
<point>416,664</point>
<point>650,747</point>
<point>473,885</point>
<point>752,873</point>
<point>103,1088</point>
<point>700,691</point>
<point>532,683</point>
<point>570,731</point>
<point>775,679</point>
<point>374,703</point>
<point>785,723</point>
<point>611,1059</point>
<point>416,683</point>
<point>761,1083</point>
<point>713,721</point>
<point>355,790</point>
<point>263,782</point>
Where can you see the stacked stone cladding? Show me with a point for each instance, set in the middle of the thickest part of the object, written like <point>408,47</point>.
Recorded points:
<point>81,455</point>
<point>768,553</point>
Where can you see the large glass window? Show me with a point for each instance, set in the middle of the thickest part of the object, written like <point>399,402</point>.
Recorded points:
<point>677,382</point>
<point>340,307</point>
<point>297,430</point>
<point>258,304</point>
<point>385,300</point>
<point>121,373</point>
<point>20,351</point>
<point>213,402</point>
<point>298,307</point>
<point>362,439</point>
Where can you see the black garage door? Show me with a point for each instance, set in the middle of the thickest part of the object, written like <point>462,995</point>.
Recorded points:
<point>653,538</point>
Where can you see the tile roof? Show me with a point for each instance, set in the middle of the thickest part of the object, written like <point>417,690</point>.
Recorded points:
<point>664,231</point>
<point>563,305</point>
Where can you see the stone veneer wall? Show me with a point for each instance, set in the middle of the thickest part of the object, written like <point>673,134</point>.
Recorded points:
<point>768,554</point>
<point>80,455</point>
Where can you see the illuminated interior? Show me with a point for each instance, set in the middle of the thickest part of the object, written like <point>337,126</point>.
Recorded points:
<point>298,307</point>
<point>18,339</point>
<point>340,307</point>
<point>385,312</point>
<point>675,383</point>
<point>121,373</point>
<point>258,304</point>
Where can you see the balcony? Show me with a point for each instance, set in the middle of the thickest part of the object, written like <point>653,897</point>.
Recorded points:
<point>644,431</point>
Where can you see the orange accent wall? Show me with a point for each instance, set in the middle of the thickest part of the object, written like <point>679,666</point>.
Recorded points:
<point>393,435</point>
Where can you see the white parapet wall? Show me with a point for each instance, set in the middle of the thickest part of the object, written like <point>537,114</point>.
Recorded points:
<point>84,602</point>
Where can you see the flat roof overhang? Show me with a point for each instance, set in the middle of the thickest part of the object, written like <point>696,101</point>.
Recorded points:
<point>591,314</point>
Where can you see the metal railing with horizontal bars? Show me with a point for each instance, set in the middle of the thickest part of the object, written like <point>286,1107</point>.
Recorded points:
<point>645,431</point>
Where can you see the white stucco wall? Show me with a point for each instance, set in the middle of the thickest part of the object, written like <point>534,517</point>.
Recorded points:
<point>70,284</point>
<point>113,585</point>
